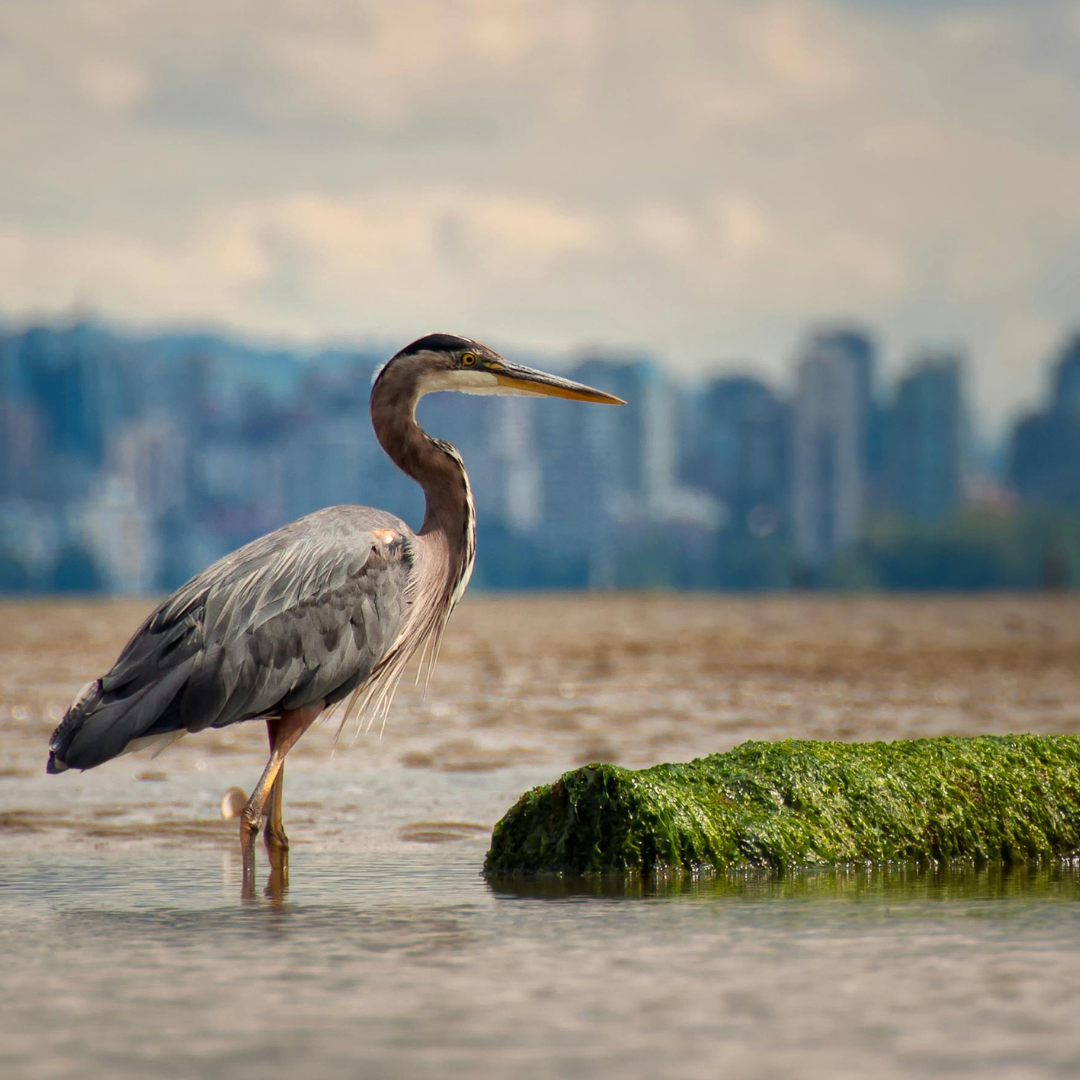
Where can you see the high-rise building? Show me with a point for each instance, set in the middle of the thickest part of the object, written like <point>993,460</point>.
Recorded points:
<point>738,452</point>
<point>573,471</point>
<point>1067,380</point>
<point>1045,452</point>
<point>610,476</point>
<point>119,540</point>
<point>593,462</point>
<point>514,466</point>
<point>829,425</point>
<point>636,441</point>
<point>925,441</point>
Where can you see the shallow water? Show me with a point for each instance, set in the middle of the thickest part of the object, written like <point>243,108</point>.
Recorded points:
<point>125,949</point>
<point>131,965</point>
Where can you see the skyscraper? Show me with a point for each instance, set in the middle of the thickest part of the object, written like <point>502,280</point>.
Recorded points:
<point>1045,452</point>
<point>828,445</point>
<point>925,442</point>
<point>601,465</point>
<point>1067,380</point>
<point>738,452</point>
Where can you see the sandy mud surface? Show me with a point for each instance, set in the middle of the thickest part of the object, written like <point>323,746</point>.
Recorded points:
<point>530,686</point>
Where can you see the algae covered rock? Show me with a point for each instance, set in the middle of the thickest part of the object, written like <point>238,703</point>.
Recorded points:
<point>1005,798</point>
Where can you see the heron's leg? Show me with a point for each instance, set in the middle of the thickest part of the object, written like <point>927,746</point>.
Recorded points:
<point>284,732</point>
<point>274,836</point>
<point>251,820</point>
<point>277,883</point>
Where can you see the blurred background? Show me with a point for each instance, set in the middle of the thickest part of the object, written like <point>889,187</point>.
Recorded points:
<point>828,252</point>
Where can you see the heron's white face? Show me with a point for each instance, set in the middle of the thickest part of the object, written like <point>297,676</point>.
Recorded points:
<point>465,380</point>
<point>479,370</point>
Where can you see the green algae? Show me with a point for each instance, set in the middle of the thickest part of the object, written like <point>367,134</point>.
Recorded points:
<point>1008,799</point>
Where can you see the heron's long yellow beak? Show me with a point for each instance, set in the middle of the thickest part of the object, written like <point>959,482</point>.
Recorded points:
<point>519,379</point>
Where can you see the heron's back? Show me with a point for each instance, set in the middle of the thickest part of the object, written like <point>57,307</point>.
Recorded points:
<point>300,616</point>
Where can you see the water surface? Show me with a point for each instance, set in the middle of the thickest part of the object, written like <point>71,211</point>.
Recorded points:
<point>126,951</point>
<point>131,965</point>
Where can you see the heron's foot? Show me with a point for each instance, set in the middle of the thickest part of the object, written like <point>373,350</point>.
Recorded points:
<point>249,830</point>
<point>275,839</point>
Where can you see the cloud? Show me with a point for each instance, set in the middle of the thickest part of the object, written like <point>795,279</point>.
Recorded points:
<point>804,45</point>
<point>397,254</point>
<point>671,175</point>
<point>742,224</point>
<point>405,257</point>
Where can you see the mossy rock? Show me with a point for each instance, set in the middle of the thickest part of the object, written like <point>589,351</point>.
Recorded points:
<point>1010,799</point>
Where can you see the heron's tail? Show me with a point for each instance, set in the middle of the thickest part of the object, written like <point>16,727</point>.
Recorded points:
<point>102,724</point>
<point>87,699</point>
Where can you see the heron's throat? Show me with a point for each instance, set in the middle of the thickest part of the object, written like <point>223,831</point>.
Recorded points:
<point>449,517</point>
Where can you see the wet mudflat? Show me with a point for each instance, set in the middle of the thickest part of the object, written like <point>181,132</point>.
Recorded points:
<point>127,952</point>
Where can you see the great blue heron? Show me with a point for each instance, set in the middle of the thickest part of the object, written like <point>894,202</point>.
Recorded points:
<point>329,607</point>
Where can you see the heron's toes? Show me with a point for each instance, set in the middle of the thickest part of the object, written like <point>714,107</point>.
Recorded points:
<point>275,839</point>
<point>250,824</point>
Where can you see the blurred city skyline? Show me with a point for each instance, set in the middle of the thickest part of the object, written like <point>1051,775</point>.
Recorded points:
<point>697,180</point>
<point>127,463</point>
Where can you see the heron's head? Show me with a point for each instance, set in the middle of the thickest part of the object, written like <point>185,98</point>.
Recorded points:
<point>447,362</point>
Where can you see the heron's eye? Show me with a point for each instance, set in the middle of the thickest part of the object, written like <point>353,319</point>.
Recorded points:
<point>468,359</point>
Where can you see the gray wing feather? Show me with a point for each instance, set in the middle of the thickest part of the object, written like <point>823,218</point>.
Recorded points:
<point>299,616</point>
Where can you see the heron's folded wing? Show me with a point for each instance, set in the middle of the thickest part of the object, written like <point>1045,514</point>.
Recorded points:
<point>297,617</point>
<point>308,627</point>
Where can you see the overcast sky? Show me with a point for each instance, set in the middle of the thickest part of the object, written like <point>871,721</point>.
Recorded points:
<point>700,179</point>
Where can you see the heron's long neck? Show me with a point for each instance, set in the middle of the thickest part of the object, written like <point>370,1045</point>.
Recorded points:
<point>436,466</point>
